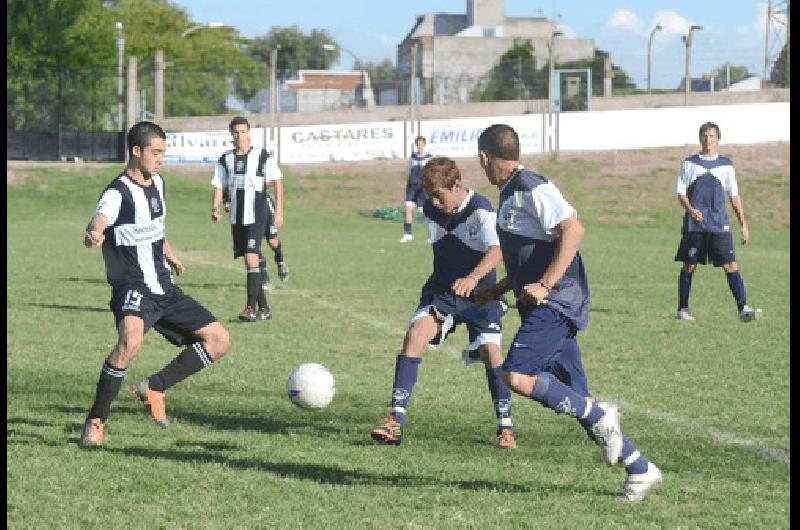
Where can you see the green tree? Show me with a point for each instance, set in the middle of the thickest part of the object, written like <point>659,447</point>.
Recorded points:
<point>779,76</point>
<point>720,74</point>
<point>296,50</point>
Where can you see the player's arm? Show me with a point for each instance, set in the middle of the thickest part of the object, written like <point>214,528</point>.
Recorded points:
<point>482,296</point>
<point>95,231</point>
<point>697,215</point>
<point>738,209</point>
<point>274,176</point>
<point>278,185</point>
<point>216,200</point>
<point>571,233</point>
<point>172,259</point>
<point>465,286</point>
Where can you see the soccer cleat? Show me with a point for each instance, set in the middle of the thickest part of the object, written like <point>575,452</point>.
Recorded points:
<point>389,431</point>
<point>267,286</point>
<point>506,439</point>
<point>283,271</point>
<point>607,432</point>
<point>406,238</point>
<point>748,314</point>
<point>637,486</point>
<point>92,435</point>
<point>155,402</point>
<point>247,314</point>
<point>263,314</point>
<point>684,314</point>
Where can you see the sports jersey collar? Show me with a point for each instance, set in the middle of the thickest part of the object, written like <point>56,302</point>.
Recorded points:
<point>246,154</point>
<point>470,193</point>
<point>706,157</point>
<point>511,177</point>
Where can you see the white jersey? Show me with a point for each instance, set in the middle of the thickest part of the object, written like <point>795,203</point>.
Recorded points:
<point>244,177</point>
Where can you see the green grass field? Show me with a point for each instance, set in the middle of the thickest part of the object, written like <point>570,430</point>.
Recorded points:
<point>707,401</point>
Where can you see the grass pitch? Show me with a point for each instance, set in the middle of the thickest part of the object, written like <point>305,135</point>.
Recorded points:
<point>707,401</point>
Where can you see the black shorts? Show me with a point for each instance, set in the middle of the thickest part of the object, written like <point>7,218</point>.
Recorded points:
<point>175,315</point>
<point>247,239</point>
<point>271,230</point>
<point>702,247</point>
<point>415,193</point>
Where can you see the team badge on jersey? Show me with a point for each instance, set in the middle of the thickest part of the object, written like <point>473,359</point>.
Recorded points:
<point>154,205</point>
<point>473,230</point>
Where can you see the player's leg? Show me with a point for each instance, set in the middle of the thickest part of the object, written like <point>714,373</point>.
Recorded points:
<point>424,329</point>
<point>266,285</point>
<point>130,333</point>
<point>277,249</point>
<point>690,250</point>
<point>408,213</point>
<point>185,323</point>
<point>534,351</point>
<point>722,254</point>
<point>255,292</point>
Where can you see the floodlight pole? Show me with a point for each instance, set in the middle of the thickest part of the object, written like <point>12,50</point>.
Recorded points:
<point>687,39</point>
<point>120,58</point>
<point>551,88</point>
<point>649,47</point>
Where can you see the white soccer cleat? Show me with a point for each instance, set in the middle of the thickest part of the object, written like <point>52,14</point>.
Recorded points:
<point>406,238</point>
<point>637,486</point>
<point>748,314</point>
<point>607,432</point>
<point>267,286</point>
<point>684,314</point>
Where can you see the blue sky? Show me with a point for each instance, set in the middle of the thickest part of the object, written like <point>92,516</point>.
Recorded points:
<point>734,30</point>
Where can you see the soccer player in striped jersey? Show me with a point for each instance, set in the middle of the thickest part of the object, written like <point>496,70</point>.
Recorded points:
<point>129,223</point>
<point>415,192</point>
<point>244,172</point>
<point>705,180</point>
<point>461,226</point>
<point>539,235</point>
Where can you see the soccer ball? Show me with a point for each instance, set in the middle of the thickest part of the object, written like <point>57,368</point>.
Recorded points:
<point>311,386</point>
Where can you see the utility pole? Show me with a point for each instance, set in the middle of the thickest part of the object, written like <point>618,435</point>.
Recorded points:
<point>414,87</point>
<point>687,39</point>
<point>120,55</point>
<point>766,45</point>
<point>273,97</point>
<point>158,105</point>
<point>649,47</point>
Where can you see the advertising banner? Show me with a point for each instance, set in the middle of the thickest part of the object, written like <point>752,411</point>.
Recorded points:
<point>204,147</point>
<point>347,141</point>
<point>459,137</point>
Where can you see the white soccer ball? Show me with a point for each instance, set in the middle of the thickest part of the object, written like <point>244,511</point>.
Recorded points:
<point>311,386</point>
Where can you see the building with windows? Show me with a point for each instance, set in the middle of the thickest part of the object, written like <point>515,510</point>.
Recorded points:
<point>456,51</point>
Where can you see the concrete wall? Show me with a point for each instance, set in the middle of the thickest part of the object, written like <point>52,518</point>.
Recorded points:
<point>500,108</point>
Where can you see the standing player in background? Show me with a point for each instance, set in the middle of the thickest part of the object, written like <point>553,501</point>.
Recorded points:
<point>244,171</point>
<point>415,193</point>
<point>704,181</point>
<point>461,226</point>
<point>539,235</point>
<point>129,222</point>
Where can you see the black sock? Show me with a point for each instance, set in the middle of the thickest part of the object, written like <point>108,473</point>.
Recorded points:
<point>262,266</point>
<point>253,286</point>
<point>107,389</point>
<point>278,254</point>
<point>262,300</point>
<point>407,228</point>
<point>190,361</point>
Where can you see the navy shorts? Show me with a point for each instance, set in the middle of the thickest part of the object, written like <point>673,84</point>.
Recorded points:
<point>483,322</point>
<point>175,315</point>
<point>546,342</point>
<point>702,247</point>
<point>247,238</point>
<point>415,193</point>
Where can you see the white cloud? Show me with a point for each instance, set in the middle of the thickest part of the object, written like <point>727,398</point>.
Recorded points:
<point>625,20</point>
<point>671,22</point>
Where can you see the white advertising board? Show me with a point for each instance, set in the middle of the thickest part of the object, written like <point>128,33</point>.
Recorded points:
<point>638,128</point>
<point>205,146</point>
<point>343,141</point>
<point>459,137</point>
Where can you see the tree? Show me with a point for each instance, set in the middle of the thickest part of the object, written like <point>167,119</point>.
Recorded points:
<point>296,51</point>
<point>383,72</point>
<point>721,72</point>
<point>779,76</point>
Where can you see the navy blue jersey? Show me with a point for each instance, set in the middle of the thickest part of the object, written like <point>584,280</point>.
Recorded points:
<point>707,182</point>
<point>530,209</point>
<point>460,241</point>
<point>415,166</point>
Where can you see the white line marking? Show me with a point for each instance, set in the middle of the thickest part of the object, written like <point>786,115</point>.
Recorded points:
<point>725,438</point>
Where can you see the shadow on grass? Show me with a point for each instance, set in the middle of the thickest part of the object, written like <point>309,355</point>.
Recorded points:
<point>87,308</point>
<point>99,281</point>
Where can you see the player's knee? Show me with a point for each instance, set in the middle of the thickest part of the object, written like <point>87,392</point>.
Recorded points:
<point>689,268</point>
<point>513,380</point>
<point>730,267</point>
<point>218,343</point>
<point>127,348</point>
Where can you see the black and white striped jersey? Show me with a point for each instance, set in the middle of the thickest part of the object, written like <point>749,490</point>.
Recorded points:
<point>133,249</point>
<point>245,178</point>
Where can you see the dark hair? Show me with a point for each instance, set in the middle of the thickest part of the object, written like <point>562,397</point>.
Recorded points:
<point>141,134</point>
<point>238,120</point>
<point>440,172</point>
<point>500,141</point>
<point>418,138</point>
<point>709,125</point>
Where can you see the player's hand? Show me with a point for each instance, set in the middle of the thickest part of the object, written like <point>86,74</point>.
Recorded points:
<point>93,238</point>
<point>176,265</point>
<point>534,294</point>
<point>215,215</point>
<point>464,286</point>
<point>745,235</point>
<point>696,214</point>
